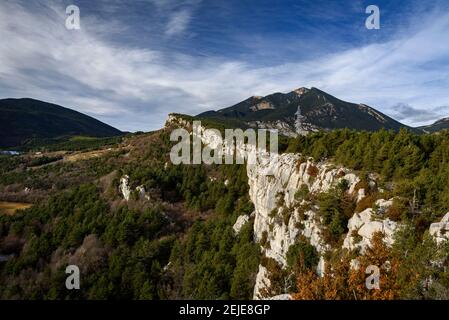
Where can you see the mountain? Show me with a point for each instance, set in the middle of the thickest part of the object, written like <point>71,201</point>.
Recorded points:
<point>436,126</point>
<point>23,119</point>
<point>304,110</point>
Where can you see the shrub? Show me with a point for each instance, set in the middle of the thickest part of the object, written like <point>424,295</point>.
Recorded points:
<point>362,184</point>
<point>302,255</point>
<point>365,203</point>
<point>398,209</point>
<point>355,235</point>
<point>276,276</point>
<point>280,199</point>
<point>264,238</point>
<point>299,225</point>
<point>273,213</point>
<point>312,171</point>
<point>302,193</point>
<point>300,161</point>
<point>286,214</point>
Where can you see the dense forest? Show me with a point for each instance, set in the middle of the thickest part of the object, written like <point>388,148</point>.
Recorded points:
<point>414,171</point>
<point>178,245</point>
<point>409,165</point>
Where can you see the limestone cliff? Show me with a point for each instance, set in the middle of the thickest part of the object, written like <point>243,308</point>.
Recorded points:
<point>273,194</point>
<point>282,215</point>
<point>440,230</point>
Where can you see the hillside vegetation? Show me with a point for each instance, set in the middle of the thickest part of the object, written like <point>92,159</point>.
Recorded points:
<point>179,243</point>
<point>27,121</point>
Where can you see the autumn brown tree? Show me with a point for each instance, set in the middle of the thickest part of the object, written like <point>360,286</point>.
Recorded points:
<point>345,282</point>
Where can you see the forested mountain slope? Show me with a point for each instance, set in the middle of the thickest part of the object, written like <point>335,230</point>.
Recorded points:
<point>25,119</point>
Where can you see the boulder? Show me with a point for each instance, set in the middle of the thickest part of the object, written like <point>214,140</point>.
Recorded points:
<point>440,230</point>
<point>362,226</point>
<point>241,221</point>
<point>124,189</point>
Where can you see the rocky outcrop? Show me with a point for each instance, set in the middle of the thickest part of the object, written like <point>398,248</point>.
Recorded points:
<point>142,193</point>
<point>124,188</point>
<point>362,226</point>
<point>278,220</point>
<point>241,221</point>
<point>302,126</point>
<point>283,127</point>
<point>440,230</point>
<point>262,282</point>
<point>177,121</point>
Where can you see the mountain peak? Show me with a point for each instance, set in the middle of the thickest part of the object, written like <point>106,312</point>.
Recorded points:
<point>304,110</point>
<point>301,91</point>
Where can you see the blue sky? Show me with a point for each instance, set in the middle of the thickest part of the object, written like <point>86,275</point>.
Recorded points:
<point>133,62</point>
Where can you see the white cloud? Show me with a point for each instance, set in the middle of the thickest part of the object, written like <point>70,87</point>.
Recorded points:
<point>178,14</point>
<point>134,88</point>
<point>403,111</point>
<point>178,22</point>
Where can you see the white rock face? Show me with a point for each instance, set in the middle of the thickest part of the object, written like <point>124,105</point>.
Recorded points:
<point>302,126</point>
<point>383,205</point>
<point>363,225</point>
<point>124,187</point>
<point>289,174</point>
<point>440,230</point>
<point>241,221</point>
<point>262,281</point>
<point>283,127</point>
<point>174,120</point>
<point>284,296</point>
<point>360,194</point>
<point>142,193</point>
<point>352,180</point>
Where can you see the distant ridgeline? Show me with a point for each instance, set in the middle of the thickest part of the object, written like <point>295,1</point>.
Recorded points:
<point>28,121</point>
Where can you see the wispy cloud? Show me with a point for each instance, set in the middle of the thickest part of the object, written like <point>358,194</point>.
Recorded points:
<point>134,88</point>
<point>178,14</point>
<point>405,112</point>
<point>178,22</point>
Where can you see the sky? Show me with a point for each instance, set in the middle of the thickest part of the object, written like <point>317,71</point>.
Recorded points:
<point>132,63</point>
